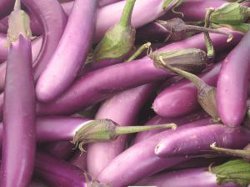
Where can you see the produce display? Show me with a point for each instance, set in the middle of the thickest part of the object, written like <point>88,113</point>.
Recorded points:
<point>116,93</point>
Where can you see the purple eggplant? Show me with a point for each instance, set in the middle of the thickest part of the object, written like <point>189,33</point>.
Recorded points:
<point>198,177</point>
<point>102,83</point>
<point>48,12</point>
<point>3,47</point>
<point>65,63</point>
<point>58,173</point>
<point>181,98</point>
<point>232,85</point>
<point>139,160</point>
<point>36,46</point>
<point>122,108</point>
<point>106,2</point>
<point>198,140</point>
<point>79,160</point>
<point>19,105</point>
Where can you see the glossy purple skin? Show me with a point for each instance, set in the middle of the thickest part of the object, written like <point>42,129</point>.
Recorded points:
<point>104,82</point>
<point>36,46</point>
<point>233,82</point>
<point>18,117</point>
<point>58,173</point>
<point>198,140</point>
<point>181,98</point>
<point>66,61</point>
<point>199,177</point>
<point>48,12</point>
<point>195,14</point>
<point>3,47</point>
<point>141,160</point>
<point>108,16</point>
<point>124,109</point>
<point>61,150</point>
<point>160,120</point>
<point>6,6</point>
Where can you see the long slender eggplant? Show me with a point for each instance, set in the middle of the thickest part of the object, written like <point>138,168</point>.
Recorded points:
<point>48,12</point>
<point>66,61</point>
<point>122,108</point>
<point>181,98</point>
<point>198,140</point>
<point>141,160</point>
<point>19,105</point>
<point>198,177</point>
<point>102,83</point>
<point>232,85</point>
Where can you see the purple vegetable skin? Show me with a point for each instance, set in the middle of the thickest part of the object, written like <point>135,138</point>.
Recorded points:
<point>18,117</point>
<point>232,85</point>
<point>48,12</point>
<point>107,2</point>
<point>67,60</point>
<point>6,7</point>
<point>181,98</point>
<point>122,108</point>
<point>195,14</point>
<point>160,120</point>
<point>36,46</point>
<point>79,160</point>
<point>102,83</point>
<point>199,177</point>
<point>59,173</point>
<point>141,160</point>
<point>3,47</point>
<point>198,140</point>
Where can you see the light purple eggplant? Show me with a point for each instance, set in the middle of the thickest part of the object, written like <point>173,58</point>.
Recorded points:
<point>66,61</point>
<point>36,46</point>
<point>198,140</point>
<point>122,108</point>
<point>6,7</point>
<point>19,108</point>
<point>140,161</point>
<point>48,12</point>
<point>160,120</point>
<point>3,47</point>
<point>102,83</point>
<point>198,177</point>
<point>58,173</point>
<point>232,85</point>
<point>181,98</point>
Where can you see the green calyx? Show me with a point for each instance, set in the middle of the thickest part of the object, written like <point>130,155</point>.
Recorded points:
<point>236,171</point>
<point>191,60</point>
<point>19,23</point>
<point>231,13</point>
<point>241,27</point>
<point>106,130</point>
<point>118,41</point>
<point>172,5</point>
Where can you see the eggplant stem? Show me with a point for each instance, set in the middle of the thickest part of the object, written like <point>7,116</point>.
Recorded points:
<point>135,129</point>
<point>139,51</point>
<point>208,41</point>
<point>126,13</point>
